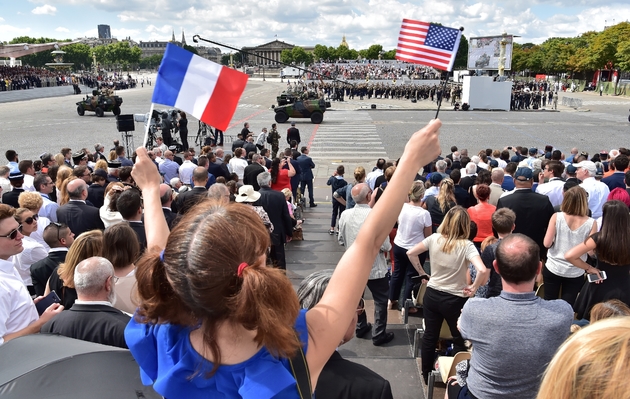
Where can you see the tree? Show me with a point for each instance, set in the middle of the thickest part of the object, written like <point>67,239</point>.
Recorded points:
<point>623,55</point>
<point>151,62</point>
<point>300,56</point>
<point>461,58</point>
<point>191,49</point>
<point>603,48</point>
<point>79,54</point>
<point>373,52</point>
<point>321,53</point>
<point>286,56</point>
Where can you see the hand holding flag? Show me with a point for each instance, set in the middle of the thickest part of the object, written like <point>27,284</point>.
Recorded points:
<point>208,91</point>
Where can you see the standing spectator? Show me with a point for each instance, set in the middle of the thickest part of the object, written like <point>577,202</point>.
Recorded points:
<point>414,225</point>
<point>554,187</point>
<point>252,171</point>
<point>249,146</point>
<point>597,191</point>
<point>11,197</point>
<point>261,139</point>
<point>281,177</point>
<point>187,200</point>
<point>182,123</point>
<point>275,204</point>
<point>13,159</point>
<point>306,178</point>
<point>617,179</point>
<point>121,155</point>
<point>96,190</point>
<point>186,169</point>
<point>122,249</point>
<point>612,245</point>
<point>450,252</point>
<point>336,181</point>
<point>238,163</point>
<point>169,168</point>
<point>350,223</point>
<point>129,204</point>
<point>28,170</point>
<point>567,229</point>
<point>32,252</point>
<point>481,214</point>
<point>532,210</point>
<point>439,205</point>
<point>497,175</point>
<point>293,133</point>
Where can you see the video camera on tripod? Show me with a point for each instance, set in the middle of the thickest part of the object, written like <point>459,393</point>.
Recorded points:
<point>164,120</point>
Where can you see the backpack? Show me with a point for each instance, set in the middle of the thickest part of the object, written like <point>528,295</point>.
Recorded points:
<point>269,138</point>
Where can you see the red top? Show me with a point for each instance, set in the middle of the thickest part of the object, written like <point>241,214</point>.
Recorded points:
<point>283,181</point>
<point>482,215</point>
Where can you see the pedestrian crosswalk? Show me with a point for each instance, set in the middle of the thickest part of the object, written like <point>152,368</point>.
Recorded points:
<point>248,106</point>
<point>349,137</point>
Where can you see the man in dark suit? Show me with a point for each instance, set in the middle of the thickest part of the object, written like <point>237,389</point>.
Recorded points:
<point>617,179</point>
<point>96,190</point>
<point>188,199</point>
<point>253,170</point>
<point>292,156</point>
<point>129,204</point>
<point>532,210</point>
<point>306,178</point>
<point>92,317</point>
<point>166,198</point>
<point>217,168</point>
<point>59,238</point>
<point>249,146</point>
<point>293,133</point>
<point>238,143</point>
<point>76,214</point>
<point>274,203</point>
<point>11,198</point>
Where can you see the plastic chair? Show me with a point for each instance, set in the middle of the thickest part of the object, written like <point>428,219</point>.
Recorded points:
<point>446,369</point>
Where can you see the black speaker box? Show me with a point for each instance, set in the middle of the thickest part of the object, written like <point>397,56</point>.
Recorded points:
<point>125,123</point>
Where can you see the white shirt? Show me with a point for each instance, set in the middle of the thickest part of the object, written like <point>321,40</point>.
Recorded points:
<point>38,235</point>
<point>431,191</point>
<point>49,208</point>
<point>238,165</point>
<point>5,184</point>
<point>597,195</point>
<point>554,189</point>
<point>28,183</point>
<point>17,310</point>
<point>186,171</point>
<point>372,176</point>
<point>411,223</point>
<point>32,252</point>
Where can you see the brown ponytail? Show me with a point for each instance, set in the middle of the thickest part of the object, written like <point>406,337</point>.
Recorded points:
<point>272,312</point>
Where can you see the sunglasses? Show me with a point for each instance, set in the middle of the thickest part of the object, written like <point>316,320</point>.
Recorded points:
<point>31,219</point>
<point>13,233</point>
<point>59,226</point>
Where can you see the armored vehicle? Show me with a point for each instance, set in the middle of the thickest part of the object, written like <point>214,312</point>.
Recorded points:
<point>99,103</point>
<point>291,106</point>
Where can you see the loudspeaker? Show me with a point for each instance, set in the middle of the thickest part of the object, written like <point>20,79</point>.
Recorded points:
<point>124,123</point>
<point>373,106</point>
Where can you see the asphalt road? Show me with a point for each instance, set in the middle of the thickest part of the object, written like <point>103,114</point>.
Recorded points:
<point>350,131</point>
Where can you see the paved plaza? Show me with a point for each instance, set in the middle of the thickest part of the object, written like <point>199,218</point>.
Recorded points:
<point>351,134</point>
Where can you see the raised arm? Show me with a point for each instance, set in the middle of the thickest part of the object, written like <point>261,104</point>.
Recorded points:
<point>147,178</point>
<point>329,319</point>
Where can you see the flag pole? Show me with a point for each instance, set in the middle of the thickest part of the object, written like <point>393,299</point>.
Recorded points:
<point>442,96</point>
<point>148,126</point>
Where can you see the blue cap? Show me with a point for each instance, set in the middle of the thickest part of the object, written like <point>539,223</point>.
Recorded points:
<point>523,174</point>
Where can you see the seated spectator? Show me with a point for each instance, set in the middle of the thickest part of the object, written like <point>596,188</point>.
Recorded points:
<point>592,364</point>
<point>59,238</point>
<point>92,318</point>
<point>121,248</point>
<point>341,378</point>
<point>62,278</point>
<point>514,335</point>
<point>18,315</point>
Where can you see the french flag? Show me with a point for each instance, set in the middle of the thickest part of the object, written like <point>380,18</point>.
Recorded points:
<point>202,88</point>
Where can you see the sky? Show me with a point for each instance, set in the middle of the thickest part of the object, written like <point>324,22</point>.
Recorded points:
<point>303,23</point>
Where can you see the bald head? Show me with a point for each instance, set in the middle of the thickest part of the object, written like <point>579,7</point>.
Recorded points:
<point>93,280</point>
<point>497,175</point>
<point>168,153</point>
<point>361,193</point>
<point>77,189</point>
<point>219,192</point>
<point>200,176</point>
<point>166,195</point>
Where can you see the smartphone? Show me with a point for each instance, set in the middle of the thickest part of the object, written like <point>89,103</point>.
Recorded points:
<point>46,302</point>
<point>594,277</point>
<point>510,147</point>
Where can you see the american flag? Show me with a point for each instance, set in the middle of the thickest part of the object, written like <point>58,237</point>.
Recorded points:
<point>428,44</point>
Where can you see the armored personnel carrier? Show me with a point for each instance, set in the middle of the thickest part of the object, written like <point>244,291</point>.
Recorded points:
<point>99,103</point>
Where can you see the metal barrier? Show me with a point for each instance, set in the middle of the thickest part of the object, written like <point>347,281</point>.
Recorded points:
<point>571,102</point>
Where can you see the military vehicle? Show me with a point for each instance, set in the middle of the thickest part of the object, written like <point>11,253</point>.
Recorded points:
<point>483,61</point>
<point>292,106</point>
<point>99,103</point>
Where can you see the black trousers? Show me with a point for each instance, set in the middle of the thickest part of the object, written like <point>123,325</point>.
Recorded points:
<point>337,211</point>
<point>379,288</point>
<point>184,137</point>
<point>309,184</point>
<point>553,284</point>
<point>437,307</point>
<point>277,251</point>
<point>403,272</point>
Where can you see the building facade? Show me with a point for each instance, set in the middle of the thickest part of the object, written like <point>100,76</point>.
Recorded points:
<point>104,32</point>
<point>268,54</point>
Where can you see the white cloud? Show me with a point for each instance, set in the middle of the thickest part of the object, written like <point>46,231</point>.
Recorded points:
<point>1,19</point>
<point>13,31</point>
<point>130,18</point>
<point>62,29</point>
<point>46,9</point>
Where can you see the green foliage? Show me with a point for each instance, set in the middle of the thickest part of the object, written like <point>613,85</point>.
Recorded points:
<point>191,49</point>
<point>461,59</point>
<point>151,62</point>
<point>296,56</point>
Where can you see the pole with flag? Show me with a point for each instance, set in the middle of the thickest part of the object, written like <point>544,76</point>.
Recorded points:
<point>429,44</point>
<point>206,90</point>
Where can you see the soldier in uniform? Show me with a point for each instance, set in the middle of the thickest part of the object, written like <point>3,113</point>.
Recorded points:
<point>274,137</point>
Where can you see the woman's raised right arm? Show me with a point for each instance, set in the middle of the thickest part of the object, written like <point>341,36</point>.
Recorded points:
<point>329,319</point>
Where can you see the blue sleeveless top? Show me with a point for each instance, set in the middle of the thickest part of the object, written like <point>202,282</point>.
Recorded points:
<point>167,360</point>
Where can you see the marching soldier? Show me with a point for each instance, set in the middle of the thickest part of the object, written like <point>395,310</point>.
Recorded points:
<point>274,140</point>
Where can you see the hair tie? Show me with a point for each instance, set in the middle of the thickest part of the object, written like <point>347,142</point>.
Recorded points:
<point>241,267</point>
<point>162,255</point>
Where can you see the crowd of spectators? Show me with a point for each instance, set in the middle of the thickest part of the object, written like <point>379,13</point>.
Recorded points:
<point>95,228</point>
<point>373,70</point>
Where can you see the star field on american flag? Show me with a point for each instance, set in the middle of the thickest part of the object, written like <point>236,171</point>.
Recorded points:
<point>441,37</point>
